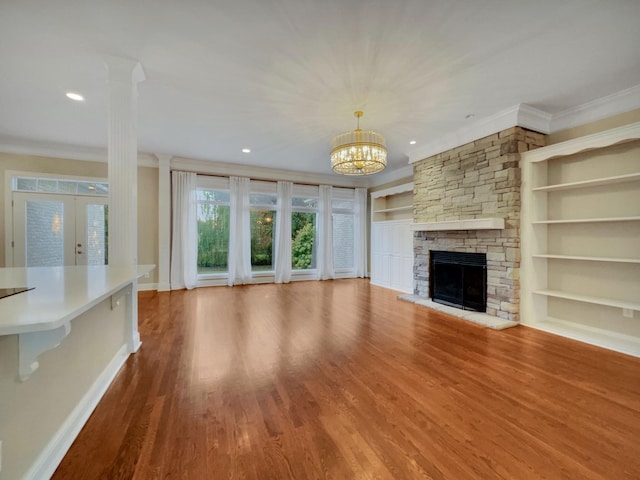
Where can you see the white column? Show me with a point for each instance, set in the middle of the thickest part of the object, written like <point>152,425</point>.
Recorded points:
<point>124,76</point>
<point>164,221</point>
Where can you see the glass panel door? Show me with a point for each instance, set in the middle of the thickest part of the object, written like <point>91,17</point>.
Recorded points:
<point>43,230</point>
<point>54,230</point>
<point>91,245</point>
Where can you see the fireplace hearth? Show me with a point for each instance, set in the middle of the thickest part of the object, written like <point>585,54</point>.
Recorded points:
<point>459,279</point>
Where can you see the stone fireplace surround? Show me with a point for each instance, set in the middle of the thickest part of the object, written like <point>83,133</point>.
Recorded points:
<point>478,180</point>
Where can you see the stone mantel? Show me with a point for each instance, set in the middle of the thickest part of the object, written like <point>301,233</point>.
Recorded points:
<point>493,223</point>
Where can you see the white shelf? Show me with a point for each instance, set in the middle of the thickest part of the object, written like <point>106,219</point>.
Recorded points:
<point>594,336</point>
<point>405,187</point>
<point>589,299</point>
<point>588,220</point>
<point>588,259</point>
<point>404,208</point>
<point>631,177</point>
<point>590,142</point>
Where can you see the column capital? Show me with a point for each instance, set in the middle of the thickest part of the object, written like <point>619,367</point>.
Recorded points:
<point>164,160</point>
<point>124,70</point>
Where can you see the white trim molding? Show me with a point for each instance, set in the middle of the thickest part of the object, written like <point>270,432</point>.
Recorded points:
<point>53,453</point>
<point>519,115</point>
<point>598,109</point>
<point>38,148</point>
<point>391,176</point>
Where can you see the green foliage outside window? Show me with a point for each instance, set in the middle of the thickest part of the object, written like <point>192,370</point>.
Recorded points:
<point>303,235</point>
<point>213,238</point>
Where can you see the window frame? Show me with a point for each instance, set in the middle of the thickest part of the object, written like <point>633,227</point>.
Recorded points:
<point>221,184</point>
<point>345,194</point>
<point>306,191</point>
<point>264,188</point>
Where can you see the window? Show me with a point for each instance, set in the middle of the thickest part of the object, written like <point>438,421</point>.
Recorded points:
<point>54,185</point>
<point>213,231</point>
<point>303,233</point>
<point>263,220</point>
<point>214,225</point>
<point>343,230</point>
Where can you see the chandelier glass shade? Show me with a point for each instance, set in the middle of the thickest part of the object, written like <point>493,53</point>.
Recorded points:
<point>359,152</point>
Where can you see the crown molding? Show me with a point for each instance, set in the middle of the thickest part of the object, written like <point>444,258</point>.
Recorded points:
<point>519,115</point>
<point>614,104</point>
<point>22,146</point>
<point>261,173</point>
<point>391,176</point>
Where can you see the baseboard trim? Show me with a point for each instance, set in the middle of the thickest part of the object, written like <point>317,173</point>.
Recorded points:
<point>144,287</point>
<point>53,453</point>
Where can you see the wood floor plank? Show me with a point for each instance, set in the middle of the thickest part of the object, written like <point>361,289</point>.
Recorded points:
<point>340,380</point>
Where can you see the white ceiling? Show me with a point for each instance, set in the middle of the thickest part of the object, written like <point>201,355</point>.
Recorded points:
<point>283,76</point>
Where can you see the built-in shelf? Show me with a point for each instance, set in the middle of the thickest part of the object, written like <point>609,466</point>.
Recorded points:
<point>588,220</point>
<point>563,185</point>
<point>391,239</point>
<point>632,177</point>
<point>405,208</point>
<point>594,336</point>
<point>492,223</point>
<point>590,299</point>
<point>588,259</point>
<point>604,139</point>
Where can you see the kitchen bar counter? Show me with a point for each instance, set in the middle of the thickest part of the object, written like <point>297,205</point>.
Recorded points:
<point>60,294</point>
<point>61,345</point>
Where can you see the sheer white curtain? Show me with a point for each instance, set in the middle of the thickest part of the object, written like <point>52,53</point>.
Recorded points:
<point>360,250</point>
<point>324,261</point>
<point>283,233</point>
<point>239,232</point>
<point>184,249</point>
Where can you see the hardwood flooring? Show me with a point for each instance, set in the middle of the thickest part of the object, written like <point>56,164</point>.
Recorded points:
<point>340,380</point>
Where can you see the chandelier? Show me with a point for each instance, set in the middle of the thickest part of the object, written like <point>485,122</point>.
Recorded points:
<point>360,152</point>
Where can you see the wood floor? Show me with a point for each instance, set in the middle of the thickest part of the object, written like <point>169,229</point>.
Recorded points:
<point>340,380</point>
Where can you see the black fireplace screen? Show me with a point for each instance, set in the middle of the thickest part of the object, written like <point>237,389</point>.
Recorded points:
<point>459,279</point>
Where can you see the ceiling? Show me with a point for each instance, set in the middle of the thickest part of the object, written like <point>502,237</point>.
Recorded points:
<point>281,77</point>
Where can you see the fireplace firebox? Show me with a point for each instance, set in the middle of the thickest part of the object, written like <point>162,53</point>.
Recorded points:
<point>459,279</point>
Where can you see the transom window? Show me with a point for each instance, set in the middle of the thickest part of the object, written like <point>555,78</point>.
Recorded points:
<point>60,186</point>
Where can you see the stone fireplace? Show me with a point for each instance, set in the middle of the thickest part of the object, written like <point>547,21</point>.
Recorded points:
<point>478,181</point>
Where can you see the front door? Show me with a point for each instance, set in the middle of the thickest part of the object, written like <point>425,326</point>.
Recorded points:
<point>53,230</point>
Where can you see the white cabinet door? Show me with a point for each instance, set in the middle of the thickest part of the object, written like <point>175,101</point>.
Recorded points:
<point>392,255</point>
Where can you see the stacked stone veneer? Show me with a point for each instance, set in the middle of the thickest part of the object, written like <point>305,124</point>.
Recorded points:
<point>478,180</point>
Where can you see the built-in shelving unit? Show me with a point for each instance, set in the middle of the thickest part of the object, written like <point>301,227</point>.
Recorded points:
<point>392,238</point>
<point>632,177</point>
<point>587,259</point>
<point>590,299</point>
<point>406,208</point>
<point>589,220</point>
<point>580,224</point>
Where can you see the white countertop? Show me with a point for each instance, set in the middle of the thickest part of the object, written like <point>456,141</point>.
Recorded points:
<point>60,294</point>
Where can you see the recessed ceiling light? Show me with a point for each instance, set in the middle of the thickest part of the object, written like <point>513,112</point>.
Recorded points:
<point>412,142</point>
<point>246,150</point>
<point>75,96</point>
<point>470,116</point>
